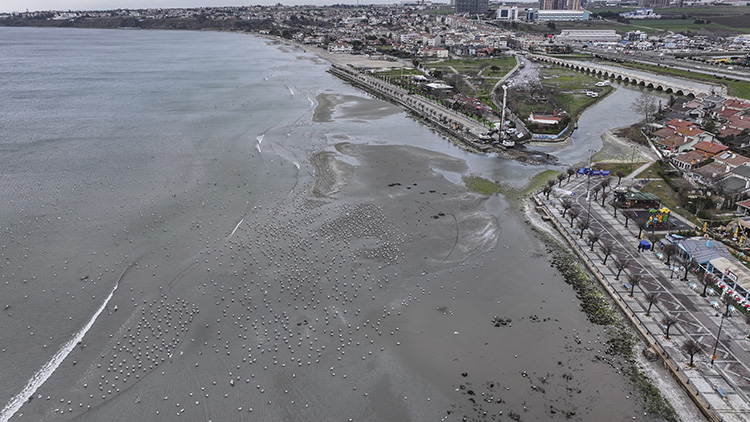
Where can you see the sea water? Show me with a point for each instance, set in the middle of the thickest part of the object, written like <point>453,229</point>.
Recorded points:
<point>182,237</point>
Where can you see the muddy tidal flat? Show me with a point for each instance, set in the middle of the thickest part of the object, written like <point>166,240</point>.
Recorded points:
<point>236,242</point>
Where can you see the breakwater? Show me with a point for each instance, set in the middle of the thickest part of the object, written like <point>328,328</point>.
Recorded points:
<point>465,131</point>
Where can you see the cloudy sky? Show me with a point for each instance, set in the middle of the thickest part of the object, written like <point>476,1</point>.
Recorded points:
<point>34,5</point>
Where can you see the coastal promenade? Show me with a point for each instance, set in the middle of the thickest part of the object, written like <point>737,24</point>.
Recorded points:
<point>721,388</point>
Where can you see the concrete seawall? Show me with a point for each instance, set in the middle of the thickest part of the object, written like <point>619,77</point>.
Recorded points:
<point>463,130</point>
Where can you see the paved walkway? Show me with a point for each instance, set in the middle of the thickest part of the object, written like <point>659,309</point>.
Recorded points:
<point>724,387</point>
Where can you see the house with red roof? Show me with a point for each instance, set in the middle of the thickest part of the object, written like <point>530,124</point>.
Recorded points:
<point>678,124</point>
<point>689,160</point>
<point>710,148</point>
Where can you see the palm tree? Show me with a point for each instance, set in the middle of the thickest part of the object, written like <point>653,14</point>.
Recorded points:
<point>571,171</point>
<point>593,238</point>
<point>633,280</point>
<point>652,299</point>
<point>668,250</point>
<point>573,214</point>
<point>691,347</point>
<point>620,264</point>
<point>668,321</point>
<point>582,226</point>
<point>566,205</point>
<point>607,250</point>
<point>560,178</point>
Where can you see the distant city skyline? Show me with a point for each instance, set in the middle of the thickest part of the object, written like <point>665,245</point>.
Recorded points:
<point>8,6</point>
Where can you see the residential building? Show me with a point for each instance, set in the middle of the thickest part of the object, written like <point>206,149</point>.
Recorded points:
<point>710,148</point>
<point>689,160</point>
<point>731,159</point>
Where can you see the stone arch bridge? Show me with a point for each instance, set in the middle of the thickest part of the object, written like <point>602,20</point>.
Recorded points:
<point>622,75</point>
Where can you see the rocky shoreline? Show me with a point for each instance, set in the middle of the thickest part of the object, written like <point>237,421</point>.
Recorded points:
<point>621,342</point>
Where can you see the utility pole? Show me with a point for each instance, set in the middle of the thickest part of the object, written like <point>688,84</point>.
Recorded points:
<point>716,344</point>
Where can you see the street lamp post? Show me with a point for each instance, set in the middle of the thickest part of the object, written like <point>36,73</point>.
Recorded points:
<point>505,96</point>
<point>716,344</point>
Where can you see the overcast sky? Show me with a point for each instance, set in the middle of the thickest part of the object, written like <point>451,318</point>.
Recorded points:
<point>34,5</point>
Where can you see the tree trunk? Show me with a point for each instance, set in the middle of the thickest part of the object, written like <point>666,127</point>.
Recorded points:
<point>648,311</point>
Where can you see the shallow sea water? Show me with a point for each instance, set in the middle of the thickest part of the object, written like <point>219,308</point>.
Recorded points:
<point>270,265</point>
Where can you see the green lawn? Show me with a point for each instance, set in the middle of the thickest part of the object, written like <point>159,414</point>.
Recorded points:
<point>682,25</point>
<point>569,90</point>
<point>399,72</point>
<point>615,167</point>
<point>669,198</point>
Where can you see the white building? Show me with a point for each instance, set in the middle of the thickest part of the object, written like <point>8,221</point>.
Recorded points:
<point>507,13</point>
<point>586,35</point>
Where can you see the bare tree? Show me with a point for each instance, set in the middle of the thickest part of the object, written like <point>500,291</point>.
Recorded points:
<point>727,300</point>
<point>607,250</point>
<point>595,190</point>
<point>705,281</point>
<point>691,347</point>
<point>571,171</point>
<point>652,299</point>
<point>620,264</point>
<point>614,209</point>
<point>605,183</point>
<point>654,239</point>
<point>573,214</point>
<point>551,183</point>
<point>620,174</point>
<point>633,280</point>
<point>669,250</point>
<point>605,194</point>
<point>641,223</point>
<point>566,205</point>
<point>690,265</point>
<point>668,321</point>
<point>582,226</point>
<point>546,191</point>
<point>627,218</point>
<point>593,238</point>
<point>646,104</point>
<point>560,178</point>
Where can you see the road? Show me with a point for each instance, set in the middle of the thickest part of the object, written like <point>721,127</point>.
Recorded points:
<point>697,319</point>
